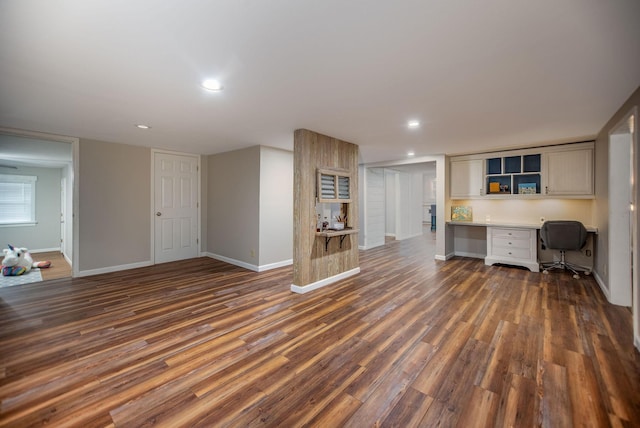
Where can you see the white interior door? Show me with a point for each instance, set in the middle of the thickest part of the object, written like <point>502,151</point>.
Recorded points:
<point>175,207</point>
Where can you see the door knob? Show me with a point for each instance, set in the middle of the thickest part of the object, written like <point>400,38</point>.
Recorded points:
<point>158,213</point>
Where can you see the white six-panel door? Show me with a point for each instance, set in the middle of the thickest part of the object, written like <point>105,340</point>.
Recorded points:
<point>176,207</point>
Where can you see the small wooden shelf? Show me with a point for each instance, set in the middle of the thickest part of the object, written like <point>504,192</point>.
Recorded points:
<point>330,233</point>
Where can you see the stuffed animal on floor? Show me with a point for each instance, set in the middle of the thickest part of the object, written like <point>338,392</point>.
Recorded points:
<point>18,261</point>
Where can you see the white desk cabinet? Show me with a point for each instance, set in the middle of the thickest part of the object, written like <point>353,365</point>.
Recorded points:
<point>512,246</point>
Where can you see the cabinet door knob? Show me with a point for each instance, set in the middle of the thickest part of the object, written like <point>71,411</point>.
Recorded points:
<point>158,213</point>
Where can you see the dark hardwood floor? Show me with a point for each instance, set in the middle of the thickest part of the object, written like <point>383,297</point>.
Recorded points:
<point>410,341</point>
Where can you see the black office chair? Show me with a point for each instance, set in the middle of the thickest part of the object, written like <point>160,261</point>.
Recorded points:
<point>564,235</point>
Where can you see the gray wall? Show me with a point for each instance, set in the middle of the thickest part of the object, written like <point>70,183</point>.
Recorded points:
<point>276,206</point>
<point>602,187</point>
<point>233,205</point>
<point>45,235</point>
<point>114,205</point>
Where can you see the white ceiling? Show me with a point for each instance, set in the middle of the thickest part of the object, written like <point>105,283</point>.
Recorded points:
<point>478,74</point>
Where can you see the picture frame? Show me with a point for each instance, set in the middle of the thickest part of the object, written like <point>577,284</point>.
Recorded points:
<point>461,213</point>
<point>527,188</point>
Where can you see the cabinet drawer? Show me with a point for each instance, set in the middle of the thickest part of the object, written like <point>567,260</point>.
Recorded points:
<point>510,233</point>
<point>511,242</point>
<point>516,253</point>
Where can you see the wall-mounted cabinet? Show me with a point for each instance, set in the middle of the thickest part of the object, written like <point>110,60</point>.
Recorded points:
<point>334,185</point>
<point>569,172</point>
<point>556,171</point>
<point>467,178</point>
<point>514,175</point>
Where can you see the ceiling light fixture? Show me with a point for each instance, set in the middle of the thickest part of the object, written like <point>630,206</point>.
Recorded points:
<point>411,153</point>
<point>413,124</point>
<point>212,85</point>
<point>141,126</point>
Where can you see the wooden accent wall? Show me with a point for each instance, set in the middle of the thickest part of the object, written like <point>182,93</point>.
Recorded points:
<point>311,262</point>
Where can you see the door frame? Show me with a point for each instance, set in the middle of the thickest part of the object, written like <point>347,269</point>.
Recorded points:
<point>72,218</point>
<point>628,125</point>
<point>152,212</point>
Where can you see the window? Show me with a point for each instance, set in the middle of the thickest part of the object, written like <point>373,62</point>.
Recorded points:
<point>17,199</point>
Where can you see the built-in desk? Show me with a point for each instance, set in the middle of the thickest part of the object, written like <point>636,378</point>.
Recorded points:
<point>517,244</point>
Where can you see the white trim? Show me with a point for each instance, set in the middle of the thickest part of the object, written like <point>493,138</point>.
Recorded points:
<point>324,282</point>
<point>445,257</point>
<point>275,265</point>
<point>74,216</point>
<point>602,286</point>
<point>68,259</point>
<point>249,266</point>
<point>246,265</point>
<point>234,262</point>
<point>44,250</point>
<point>28,223</point>
<point>636,342</point>
<point>111,269</point>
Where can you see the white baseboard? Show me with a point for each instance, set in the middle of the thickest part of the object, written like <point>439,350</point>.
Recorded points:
<point>402,238</point>
<point>44,250</point>
<point>445,257</point>
<point>275,265</point>
<point>111,269</point>
<point>602,286</point>
<point>636,342</point>
<point>324,282</point>
<point>249,266</point>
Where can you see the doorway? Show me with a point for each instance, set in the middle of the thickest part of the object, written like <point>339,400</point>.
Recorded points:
<point>623,217</point>
<point>52,159</point>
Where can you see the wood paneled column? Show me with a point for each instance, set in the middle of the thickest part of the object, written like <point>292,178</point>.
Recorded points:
<point>316,264</point>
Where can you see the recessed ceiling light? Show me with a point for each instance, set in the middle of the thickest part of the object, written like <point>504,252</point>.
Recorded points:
<point>141,126</point>
<point>212,85</point>
<point>411,153</point>
<point>413,124</point>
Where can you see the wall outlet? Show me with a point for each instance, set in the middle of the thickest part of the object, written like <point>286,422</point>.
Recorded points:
<point>252,253</point>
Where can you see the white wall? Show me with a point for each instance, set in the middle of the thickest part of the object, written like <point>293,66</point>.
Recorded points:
<point>67,173</point>
<point>276,207</point>
<point>391,184</point>
<point>373,202</point>
<point>429,184</point>
<point>409,205</point>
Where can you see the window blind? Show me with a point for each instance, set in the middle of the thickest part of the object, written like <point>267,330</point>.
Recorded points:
<point>17,199</point>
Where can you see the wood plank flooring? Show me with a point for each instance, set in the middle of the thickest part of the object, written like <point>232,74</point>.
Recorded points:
<point>410,341</point>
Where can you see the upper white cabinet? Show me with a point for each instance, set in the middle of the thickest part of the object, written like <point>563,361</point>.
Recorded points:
<point>569,172</point>
<point>467,178</point>
<point>553,171</point>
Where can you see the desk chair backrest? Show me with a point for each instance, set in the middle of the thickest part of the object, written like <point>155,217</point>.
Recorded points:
<point>567,235</point>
